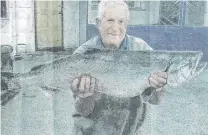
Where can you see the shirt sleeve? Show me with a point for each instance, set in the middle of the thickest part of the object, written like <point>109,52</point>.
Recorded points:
<point>84,106</point>
<point>157,97</point>
<point>89,45</point>
<point>80,50</point>
<point>140,45</point>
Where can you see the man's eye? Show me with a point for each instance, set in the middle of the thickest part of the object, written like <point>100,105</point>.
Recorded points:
<point>121,21</point>
<point>110,20</point>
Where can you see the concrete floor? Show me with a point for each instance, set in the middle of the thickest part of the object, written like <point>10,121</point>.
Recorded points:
<point>36,112</point>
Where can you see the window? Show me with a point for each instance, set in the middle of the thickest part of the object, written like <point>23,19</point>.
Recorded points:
<point>3,9</point>
<point>92,11</point>
<point>169,12</point>
<point>136,5</point>
<point>196,13</point>
<point>188,13</point>
<point>94,5</point>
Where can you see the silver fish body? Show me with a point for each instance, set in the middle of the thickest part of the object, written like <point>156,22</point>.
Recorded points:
<point>118,73</point>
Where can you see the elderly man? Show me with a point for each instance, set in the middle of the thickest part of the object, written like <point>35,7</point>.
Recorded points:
<point>105,115</point>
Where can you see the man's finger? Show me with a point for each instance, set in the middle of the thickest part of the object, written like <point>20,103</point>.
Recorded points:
<point>84,94</point>
<point>154,83</point>
<point>162,74</point>
<point>93,85</point>
<point>160,89</point>
<point>160,80</point>
<point>87,94</point>
<point>75,85</point>
<point>81,94</point>
<point>87,84</point>
<point>82,84</point>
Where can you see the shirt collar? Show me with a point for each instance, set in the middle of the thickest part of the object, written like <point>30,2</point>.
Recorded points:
<point>124,44</point>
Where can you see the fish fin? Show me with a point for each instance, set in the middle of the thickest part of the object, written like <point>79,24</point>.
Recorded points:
<point>92,51</point>
<point>7,96</point>
<point>36,67</point>
<point>199,69</point>
<point>50,88</point>
<point>49,91</point>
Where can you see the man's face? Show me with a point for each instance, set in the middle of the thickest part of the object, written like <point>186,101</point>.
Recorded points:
<point>112,26</point>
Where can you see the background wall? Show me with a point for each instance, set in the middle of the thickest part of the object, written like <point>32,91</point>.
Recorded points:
<point>71,24</point>
<point>167,25</point>
<point>19,27</point>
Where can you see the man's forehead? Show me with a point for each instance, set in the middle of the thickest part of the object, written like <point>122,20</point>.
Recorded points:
<point>117,12</point>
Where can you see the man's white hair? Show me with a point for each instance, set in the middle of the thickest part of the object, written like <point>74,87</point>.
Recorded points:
<point>103,4</point>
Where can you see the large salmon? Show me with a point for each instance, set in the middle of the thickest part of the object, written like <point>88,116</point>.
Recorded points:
<point>118,73</point>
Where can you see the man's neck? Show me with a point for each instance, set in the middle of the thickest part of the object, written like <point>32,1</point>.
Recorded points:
<point>113,46</point>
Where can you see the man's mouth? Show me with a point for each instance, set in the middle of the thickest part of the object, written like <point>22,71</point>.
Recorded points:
<point>114,34</point>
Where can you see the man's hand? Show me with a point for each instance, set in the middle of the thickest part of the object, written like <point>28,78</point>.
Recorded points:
<point>158,80</point>
<point>84,86</point>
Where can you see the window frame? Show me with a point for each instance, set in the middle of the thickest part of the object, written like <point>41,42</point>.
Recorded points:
<point>6,17</point>
<point>181,18</point>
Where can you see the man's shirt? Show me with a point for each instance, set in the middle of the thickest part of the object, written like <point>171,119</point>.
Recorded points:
<point>129,43</point>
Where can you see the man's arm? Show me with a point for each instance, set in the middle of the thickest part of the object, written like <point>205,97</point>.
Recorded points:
<point>83,88</point>
<point>86,46</point>
<point>155,92</point>
<point>152,95</point>
<point>84,106</point>
<point>139,45</point>
<point>157,97</point>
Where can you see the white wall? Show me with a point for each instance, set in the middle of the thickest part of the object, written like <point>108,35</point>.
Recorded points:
<point>6,29</point>
<point>26,24</point>
<point>71,24</point>
<point>20,28</point>
<point>206,14</point>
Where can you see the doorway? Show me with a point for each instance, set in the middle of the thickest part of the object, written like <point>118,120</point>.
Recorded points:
<point>48,25</point>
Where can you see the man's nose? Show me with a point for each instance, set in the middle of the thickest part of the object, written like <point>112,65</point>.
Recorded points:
<point>115,27</point>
